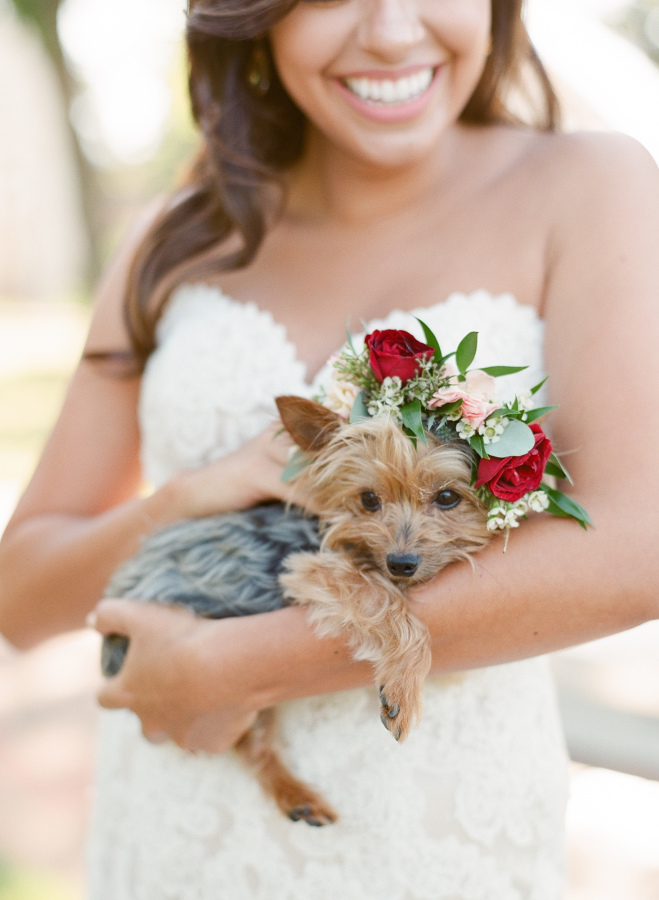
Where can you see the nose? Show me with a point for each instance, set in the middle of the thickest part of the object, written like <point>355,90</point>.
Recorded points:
<point>403,565</point>
<point>390,28</point>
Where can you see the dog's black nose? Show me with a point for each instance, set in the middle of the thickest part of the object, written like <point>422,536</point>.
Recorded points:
<point>403,565</point>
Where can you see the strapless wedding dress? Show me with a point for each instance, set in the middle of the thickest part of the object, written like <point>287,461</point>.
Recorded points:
<point>471,807</point>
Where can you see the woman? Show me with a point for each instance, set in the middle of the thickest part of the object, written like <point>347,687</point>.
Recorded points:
<point>402,179</point>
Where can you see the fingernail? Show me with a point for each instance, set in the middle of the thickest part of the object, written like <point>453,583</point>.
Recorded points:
<point>91,620</point>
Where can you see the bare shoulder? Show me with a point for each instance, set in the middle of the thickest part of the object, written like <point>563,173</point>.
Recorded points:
<point>108,330</point>
<point>582,166</point>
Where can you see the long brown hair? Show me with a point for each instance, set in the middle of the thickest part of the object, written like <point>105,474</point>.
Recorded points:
<point>251,137</point>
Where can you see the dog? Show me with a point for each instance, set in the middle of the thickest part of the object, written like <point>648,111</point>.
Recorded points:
<point>389,513</point>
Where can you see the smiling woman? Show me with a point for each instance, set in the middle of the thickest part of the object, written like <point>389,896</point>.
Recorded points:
<point>358,161</point>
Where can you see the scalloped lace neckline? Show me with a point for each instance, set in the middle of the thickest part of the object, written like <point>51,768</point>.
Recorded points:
<point>375,323</point>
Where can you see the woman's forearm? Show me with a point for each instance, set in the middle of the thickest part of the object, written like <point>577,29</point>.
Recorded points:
<point>54,567</point>
<point>554,587</point>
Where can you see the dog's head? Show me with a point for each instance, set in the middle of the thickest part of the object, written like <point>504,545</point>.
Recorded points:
<point>406,511</point>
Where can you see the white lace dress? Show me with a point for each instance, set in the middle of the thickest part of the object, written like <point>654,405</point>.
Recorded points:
<point>471,807</point>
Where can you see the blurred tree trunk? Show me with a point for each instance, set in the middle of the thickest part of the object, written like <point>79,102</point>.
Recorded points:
<point>41,15</point>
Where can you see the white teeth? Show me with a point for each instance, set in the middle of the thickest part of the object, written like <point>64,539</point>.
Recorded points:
<point>386,91</point>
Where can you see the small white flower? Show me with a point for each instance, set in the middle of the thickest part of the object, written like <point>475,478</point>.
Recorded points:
<point>455,416</point>
<point>521,506</point>
<point>511,519</point>
<point>525,400</point>
<point>538,501</point>
<point>494,524</point>
<point>465,429</point>
<point>492,429</point>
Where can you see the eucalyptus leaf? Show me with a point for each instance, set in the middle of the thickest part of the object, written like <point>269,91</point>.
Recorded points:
<point>464,355</point>
<point>500,371</point>
<point>431,340</point>
<point>359,411</point>
<point>569,506</point>
<point>516,440</point>
<point>411,415</point>
<point>533,414</point>
<point>296,465</point>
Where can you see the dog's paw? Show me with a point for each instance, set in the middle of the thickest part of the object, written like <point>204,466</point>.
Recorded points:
<point>313,814</point>
<point>302,804</point>
<point>398,711</point>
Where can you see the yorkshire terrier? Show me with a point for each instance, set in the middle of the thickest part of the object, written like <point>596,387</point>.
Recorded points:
<point>389,513</point>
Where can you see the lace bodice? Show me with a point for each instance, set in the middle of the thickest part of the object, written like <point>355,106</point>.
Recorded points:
<point>470,808</point>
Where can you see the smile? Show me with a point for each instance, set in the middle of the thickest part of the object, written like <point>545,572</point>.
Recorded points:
<point>391,92</point>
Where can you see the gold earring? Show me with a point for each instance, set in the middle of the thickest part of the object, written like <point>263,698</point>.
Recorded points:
<point>258,72</point>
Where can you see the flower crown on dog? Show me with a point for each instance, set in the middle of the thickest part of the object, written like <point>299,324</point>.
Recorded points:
<point>424,390</point>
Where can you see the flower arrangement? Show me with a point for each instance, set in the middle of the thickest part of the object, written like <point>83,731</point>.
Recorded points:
<point>424,390</point>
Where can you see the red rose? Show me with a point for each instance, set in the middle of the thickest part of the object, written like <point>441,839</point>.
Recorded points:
<point>510,478</point>
<point>396,353</point>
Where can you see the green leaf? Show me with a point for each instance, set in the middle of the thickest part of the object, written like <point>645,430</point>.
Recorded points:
<point>534,390</point>
<point>349,337</point>
<point>507,412</point>
<point>296,465</point>
<point>499,371</point>
<point>449,408</point>
<point>533,414</point>
<point>477,443</point>
<point>568,506</point>
<point>359,411</point>
<point>464,355</point>
<point>411,415</point>
<point>446,358</point>
<point>556,468</point>
<point>431,340</point>
<point>516,440</point>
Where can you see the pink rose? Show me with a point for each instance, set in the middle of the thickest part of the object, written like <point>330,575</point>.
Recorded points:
<point>477,394</point>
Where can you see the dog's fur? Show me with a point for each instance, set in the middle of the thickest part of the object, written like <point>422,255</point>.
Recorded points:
<point>352,580</point>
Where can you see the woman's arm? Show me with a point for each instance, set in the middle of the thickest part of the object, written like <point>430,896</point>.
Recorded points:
<point>80,515</point>
<point>556,585</point>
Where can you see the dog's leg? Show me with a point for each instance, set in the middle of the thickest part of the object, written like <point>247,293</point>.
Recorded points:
<point>343,599</point>
<point>258,750</point>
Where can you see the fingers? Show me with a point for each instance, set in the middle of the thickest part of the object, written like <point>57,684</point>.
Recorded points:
<point>113,617</point>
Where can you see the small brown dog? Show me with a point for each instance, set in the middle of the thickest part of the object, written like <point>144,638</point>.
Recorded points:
<point>392,515</point>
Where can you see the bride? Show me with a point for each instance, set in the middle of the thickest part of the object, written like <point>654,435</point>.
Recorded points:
<point>359,162</point>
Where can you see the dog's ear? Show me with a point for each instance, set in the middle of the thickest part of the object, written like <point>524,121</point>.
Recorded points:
<point>309,424</point>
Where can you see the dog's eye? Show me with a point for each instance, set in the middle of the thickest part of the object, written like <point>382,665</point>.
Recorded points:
<point>447,499</point>
<point>370,501</point>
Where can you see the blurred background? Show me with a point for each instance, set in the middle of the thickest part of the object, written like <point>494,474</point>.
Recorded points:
<point>93,125</point>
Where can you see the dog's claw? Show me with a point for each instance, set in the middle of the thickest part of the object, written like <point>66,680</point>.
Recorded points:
<point>314,818</point>
<point>383,697</point>
<point>398,734</point>
<point>393,712</point>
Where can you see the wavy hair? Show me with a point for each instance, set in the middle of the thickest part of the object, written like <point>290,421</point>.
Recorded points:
<point>250,138</point>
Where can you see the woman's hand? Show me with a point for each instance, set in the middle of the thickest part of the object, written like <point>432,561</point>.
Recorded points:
<point>167,680</point>
<point>239,480</point>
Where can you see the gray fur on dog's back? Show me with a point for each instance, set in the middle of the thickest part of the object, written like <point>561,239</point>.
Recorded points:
<point>221,566</point>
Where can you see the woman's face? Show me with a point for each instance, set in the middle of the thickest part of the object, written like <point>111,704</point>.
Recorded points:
<point>382,79</point>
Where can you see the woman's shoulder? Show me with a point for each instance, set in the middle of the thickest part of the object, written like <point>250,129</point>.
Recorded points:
<point>576,164</point>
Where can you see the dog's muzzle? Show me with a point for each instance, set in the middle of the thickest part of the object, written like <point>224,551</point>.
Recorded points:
<point>403,565</point>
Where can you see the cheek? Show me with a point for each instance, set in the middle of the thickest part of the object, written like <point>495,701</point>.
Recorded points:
<point>304,45</point>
